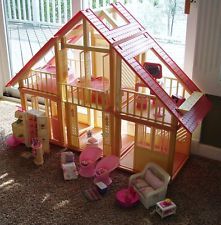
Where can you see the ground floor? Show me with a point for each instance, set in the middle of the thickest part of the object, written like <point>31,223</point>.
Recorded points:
<point>134,142</point>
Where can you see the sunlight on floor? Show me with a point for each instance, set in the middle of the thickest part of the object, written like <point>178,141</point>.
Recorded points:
<point>147,221</point>
<point>9,184</point>
<point>45,197</point>
<point>12,186</point>
<point>61,204</point>
<point>6,183</point>
<point>3,175</point>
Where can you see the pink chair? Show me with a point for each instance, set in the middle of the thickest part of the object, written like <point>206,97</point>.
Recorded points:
<point>104,167</point>
<point>13,141</point>
<point>87,159</point>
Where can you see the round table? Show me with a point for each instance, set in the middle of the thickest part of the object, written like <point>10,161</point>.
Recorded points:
<point>127,197</point>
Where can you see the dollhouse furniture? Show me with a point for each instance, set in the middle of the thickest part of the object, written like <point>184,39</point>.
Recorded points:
<point>101,187</point>
<point>141,100</point>
<point>31,124</point>
<point>92,142</point>
<point>155,69</point>
<point>12,141</point>
<point>165,208</point>
<point>127,197</point>
<point>104,167</point>
<point>67,157</point>
<point>37,152</point>
<point>98,57</point>
<point>150,184</point>
<point>18,129</point>
<point>69,171</point>
<point>88,159</point>
<point>36,126</point>
<point>68,166</point>
<point>179,100</point>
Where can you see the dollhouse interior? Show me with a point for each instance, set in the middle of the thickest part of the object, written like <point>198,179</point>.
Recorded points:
<point>82,85</point>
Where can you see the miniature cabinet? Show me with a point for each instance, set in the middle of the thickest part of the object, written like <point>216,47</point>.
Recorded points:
<point>68,166</point>
<point>37,126</point>
<point>18,127</point>
<point>31,124</point>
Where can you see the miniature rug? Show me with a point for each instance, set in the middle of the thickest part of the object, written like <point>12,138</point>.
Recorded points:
<point>92,194</point>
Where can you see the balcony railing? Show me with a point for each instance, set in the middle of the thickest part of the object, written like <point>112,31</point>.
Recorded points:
<point>86,96</point>
<point>95,4</point>
<point>48,11</point>
<point>41,81</point>
<point>144,106</point>
<point>39,11</point>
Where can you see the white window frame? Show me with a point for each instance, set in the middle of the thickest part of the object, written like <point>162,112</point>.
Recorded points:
<point>4,54</point>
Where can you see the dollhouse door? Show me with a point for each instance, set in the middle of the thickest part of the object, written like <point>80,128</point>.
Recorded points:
<point>72,125</point>
<point>106,130</point>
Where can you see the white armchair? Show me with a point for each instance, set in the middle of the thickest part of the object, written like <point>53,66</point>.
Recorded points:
<point>150,184</point>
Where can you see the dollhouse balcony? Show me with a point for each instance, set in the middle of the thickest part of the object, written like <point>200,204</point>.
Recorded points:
<point>86,96</point>
<point>44,82</point>
<point>144,107</point>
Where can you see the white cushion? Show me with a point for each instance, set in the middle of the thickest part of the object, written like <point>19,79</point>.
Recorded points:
<point>140,183</point>
<point>153,180</point>
<point>146,190</point>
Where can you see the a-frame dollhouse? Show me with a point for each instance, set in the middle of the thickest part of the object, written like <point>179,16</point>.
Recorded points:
<point>91,76</point>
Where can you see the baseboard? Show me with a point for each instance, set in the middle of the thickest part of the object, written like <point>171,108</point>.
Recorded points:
<point>207,151</point>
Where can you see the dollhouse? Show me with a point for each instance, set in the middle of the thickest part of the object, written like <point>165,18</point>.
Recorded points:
<point>103,73</point>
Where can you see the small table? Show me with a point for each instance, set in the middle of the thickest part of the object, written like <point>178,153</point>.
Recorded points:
<point>165,208</point>
<point>127,197</point>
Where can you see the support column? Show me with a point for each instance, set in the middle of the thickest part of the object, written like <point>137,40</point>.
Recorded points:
<point>61,76</point>
<point>172,146</point>
<point>115,96</point>
<point>22,96</point>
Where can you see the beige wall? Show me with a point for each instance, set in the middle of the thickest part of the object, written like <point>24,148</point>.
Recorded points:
<point>203,47</point>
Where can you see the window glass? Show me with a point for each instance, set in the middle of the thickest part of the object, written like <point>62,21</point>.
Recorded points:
<point>166,22</point>
<point>30,24</point>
